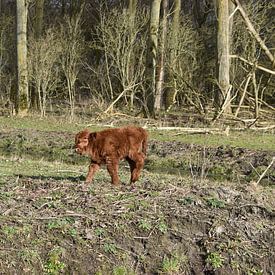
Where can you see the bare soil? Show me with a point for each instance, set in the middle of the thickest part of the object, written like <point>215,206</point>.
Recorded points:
<point>195,210</point>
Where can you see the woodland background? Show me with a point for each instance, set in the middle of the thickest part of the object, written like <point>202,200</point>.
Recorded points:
<point>205,201</point>
<point>142,57</point>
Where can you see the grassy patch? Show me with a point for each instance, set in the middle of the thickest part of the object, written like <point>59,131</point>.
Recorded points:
<point>37,123</point>
<point>38,169</point>
<point>260,141</point>
<point>50,224</point>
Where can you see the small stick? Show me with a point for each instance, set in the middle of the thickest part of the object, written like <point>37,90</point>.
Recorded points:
<point>263,174</point>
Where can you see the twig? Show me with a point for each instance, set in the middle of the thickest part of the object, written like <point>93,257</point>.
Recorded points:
<point>254,32</point>
<point>252,64</point>
<point>243,95</point>
<point>265,171</point>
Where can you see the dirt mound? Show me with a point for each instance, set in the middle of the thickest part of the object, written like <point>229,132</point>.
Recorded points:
<point>163,225</point>
<point>166,224</point>
<point>219,163</point>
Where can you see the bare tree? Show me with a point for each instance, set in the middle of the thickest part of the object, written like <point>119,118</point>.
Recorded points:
<point>122,44</point>
<point>253,31</point>
<point>223,95</point>
<point>160,70</point>
<point>251,79</point>
<point>22,97</point>
<point>132,8</point>
<point>151,65</point>
<point>44,73</point>
<point>4,28</point>
<point>71,56</point>
<point>171,91</point>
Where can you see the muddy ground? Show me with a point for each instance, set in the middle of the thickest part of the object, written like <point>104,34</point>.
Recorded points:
<point>195,210</point>
<point>172,157</point>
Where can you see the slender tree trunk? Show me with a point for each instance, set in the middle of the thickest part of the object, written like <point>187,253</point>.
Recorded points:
<point>63,7</point>
<point>39,13</point>
<point>256,93</point>
<point>170,93</point>
<point>161,72</point>
<point>223,45</point>
<point>38,27</point>
<point>152,56</point>
<point>132,8</point>
<point>22,100</point>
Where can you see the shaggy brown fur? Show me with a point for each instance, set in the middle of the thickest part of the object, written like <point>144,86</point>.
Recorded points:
<point>112,145</point>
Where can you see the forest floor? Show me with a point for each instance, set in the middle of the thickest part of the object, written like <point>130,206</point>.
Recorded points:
<point>195,210</point>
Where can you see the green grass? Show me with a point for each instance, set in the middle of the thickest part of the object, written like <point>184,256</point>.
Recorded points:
<point>49,225</point>
<point>43,124</point>
<point>38,168</point>
<point>247,139</point>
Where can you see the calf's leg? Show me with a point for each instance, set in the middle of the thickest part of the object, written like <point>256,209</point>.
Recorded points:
<point>112,167</point>
<point>92,170</point>
<point>138,163</point>
<point>132,165</point>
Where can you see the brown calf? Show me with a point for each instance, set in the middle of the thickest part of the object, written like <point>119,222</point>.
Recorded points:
<point>112,145</point>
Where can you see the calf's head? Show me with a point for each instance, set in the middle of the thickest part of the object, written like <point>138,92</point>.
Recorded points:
<point>82,141</point>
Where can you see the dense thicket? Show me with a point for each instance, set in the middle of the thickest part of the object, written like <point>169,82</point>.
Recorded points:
<point>109,54</point>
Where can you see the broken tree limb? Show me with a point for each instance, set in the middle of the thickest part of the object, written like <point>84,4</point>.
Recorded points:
<point>261,101</point>
<point>120,96</point>
<point>226,102</point>
<point>188,130</point>
<point>243,95</point>
<point>254,32</point>
<point>265,171</point>
<point>252,64</point>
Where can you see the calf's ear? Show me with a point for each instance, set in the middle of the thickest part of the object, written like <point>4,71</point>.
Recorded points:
<point>92,137</point>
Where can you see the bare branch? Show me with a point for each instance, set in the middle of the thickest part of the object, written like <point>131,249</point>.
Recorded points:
<point>265,171</point>
<point>254,32</point>
<point>252,64</point>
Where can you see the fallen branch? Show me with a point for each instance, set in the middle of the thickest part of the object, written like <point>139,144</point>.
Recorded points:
<point>256,128</point>
<point>118,98</point>
<point>265,171</point>
<point>264,128</point>
<point>243,95</point>
<point>226,103</point>
<point>254,32</point>
<point>252,64</point>
<point>262,102</point>
<point>194,130</point>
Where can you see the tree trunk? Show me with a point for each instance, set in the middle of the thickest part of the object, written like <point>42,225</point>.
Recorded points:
<point>132,8</point>
<point>161,72</point>
<point>63,7</point>
<point>170,93</point>
<point>223,45</point>
<point>38,27</point>
<point>22,100</point>
<point>152,56</point>
<point>39,14</point>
